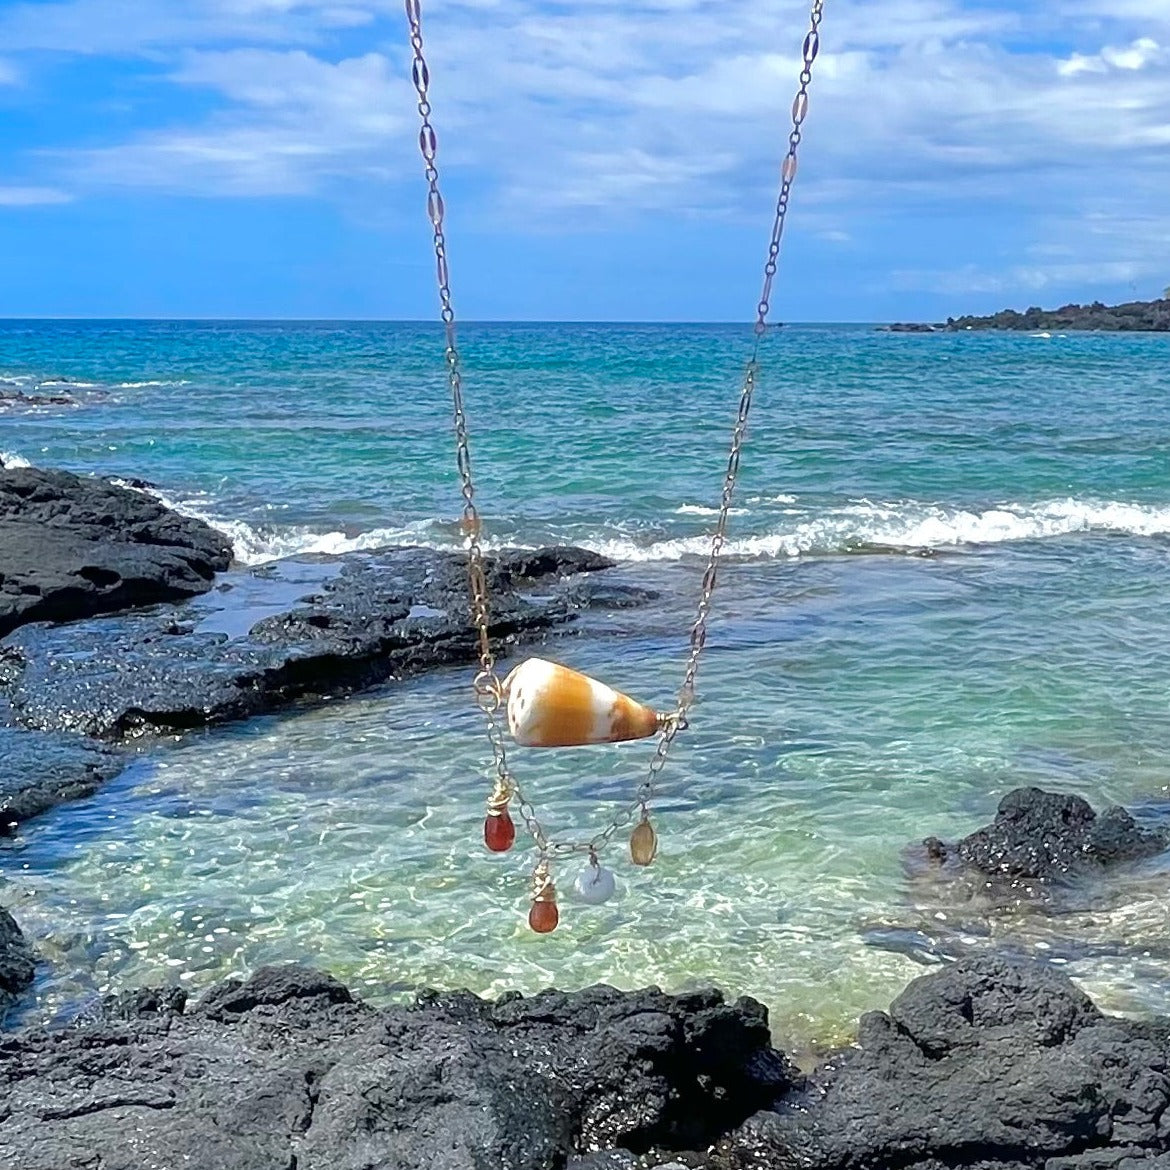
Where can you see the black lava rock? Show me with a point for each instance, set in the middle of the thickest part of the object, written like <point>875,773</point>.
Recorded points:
<point>1038,834</point>
<point>40,770</point>
<point>1132,316</point>
<point>286,1070</point>
<point>379,616</point>
<point>16,963</point>
<point>72,547</point>
<point>515,566</point>
<point>983,1065</point>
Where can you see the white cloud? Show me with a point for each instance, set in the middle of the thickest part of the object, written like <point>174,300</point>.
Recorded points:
<point>9,75</point>
<point>31,196</point>
<point>1134,56</point>
<point>1151,14</point>
<point>971,279</point>
<point>557,103</point>
<point>589,110</point>
<point>1137,56</point>
<point>293,122</point>
<point>94,27</point>
<point>920,92</point>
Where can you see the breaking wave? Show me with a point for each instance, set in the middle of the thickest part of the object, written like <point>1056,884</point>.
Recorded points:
<point>152,382</point>
<point>703,510</point>
<point>34,383</point>
<point>257,544</point>
<point>859,526</point>
<point>908,526</point>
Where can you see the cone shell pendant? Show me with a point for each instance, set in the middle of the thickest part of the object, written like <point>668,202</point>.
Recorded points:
<point>550,705</point>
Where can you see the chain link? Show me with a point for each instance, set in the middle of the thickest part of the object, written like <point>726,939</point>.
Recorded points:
<point>487,686</point>
<point>488,689</point>
<point>686,694</point>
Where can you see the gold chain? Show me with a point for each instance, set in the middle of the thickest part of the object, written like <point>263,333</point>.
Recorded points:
<point>488,688</point>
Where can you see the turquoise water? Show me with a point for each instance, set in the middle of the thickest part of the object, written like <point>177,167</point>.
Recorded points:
<point>858,694</point>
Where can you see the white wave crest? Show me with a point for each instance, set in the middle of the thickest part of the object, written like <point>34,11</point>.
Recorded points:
<point>257,544</point>
<point>863,524</point>
<point>910,526</point>
<point>703,510</point>
<point>141,385</point>
<point>9,459</point>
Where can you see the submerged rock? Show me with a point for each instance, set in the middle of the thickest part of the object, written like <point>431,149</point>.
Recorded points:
<point>16,963</point>
<point>17,400</point>
<point>72,547</point>
<point>365,619</point>
<point>40,770</point>
<point>911,327</point>
<point>1049,879</point>
<point>287,1070</point>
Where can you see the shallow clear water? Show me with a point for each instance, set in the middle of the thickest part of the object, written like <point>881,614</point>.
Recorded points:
<point>850,704</point>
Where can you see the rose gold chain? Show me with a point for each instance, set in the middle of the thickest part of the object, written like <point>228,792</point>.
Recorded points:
<point>487,686</point>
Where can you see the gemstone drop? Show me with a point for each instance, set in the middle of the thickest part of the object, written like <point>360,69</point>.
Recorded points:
<point>498,831</point>
<point>643,843</point>
<point>594,885</point>
<point>544,916</point>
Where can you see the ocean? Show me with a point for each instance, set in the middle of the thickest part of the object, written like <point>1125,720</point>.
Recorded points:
<point>947,578</point>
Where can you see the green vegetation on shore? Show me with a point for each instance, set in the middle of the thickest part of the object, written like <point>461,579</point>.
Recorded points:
<point>1131,317</point>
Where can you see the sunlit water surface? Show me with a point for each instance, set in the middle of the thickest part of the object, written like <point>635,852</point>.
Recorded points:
<point>856,696</point>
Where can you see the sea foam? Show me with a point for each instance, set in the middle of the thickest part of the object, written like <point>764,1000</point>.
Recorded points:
<point>905,525</point>
<point>909,525</point>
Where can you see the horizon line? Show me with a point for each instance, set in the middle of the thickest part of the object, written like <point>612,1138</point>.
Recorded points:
<point>461,321</point>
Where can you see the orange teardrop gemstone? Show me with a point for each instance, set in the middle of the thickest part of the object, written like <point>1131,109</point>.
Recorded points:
<point>643,843</point>
<point>543,917</point>
<point>499,834</point>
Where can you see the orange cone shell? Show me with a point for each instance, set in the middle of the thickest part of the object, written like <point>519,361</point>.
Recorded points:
<point>550,705</point>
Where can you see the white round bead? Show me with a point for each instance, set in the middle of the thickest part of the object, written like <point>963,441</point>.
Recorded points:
<point>594,885</point>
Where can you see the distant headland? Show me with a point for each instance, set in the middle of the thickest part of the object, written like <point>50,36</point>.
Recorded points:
<point>1131,317</point>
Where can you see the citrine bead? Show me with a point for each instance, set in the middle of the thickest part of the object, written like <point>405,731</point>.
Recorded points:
<point>499,834</point>
<point>643,843</point>
<point>544,915</point>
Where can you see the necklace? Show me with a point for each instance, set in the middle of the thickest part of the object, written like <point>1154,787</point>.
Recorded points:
<point>543,703</point>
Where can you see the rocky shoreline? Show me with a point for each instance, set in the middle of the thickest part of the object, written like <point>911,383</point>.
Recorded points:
<point>119,620</point>
<point>1130,317</point>
<point>985,1063</point>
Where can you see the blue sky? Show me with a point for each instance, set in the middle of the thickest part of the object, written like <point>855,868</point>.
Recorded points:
<point>603,159</point>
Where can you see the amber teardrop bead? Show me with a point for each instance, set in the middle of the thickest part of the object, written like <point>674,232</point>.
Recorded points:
<point>499,834</point>
<point>643,843</point>
<point>544,916</point>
